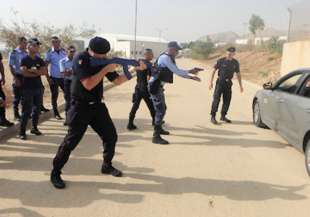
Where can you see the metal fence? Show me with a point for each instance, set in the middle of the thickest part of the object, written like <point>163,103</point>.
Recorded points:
<point>299,27</point>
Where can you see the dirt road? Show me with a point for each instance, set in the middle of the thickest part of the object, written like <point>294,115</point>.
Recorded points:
<point>232,170</point>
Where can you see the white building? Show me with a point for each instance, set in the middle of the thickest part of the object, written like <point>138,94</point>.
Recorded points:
<point>242,41</point>
<point>125,44</point>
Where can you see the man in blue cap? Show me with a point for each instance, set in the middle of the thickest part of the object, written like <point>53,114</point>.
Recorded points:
<point>56,78</point>
<point>88,108</point>
<point>15,58</point>
<point>166,67</point>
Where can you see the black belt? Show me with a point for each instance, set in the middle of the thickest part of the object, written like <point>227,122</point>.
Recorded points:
<point>84,102</point>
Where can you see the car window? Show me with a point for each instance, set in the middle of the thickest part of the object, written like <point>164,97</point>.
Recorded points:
<point>305,89</point>
<point>290,85</point>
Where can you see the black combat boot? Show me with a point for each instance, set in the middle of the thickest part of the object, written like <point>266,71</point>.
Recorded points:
<point>214,121</point>
<point>163,132</point>
<point>3,121</point>
<point>157,138</point>
<point>131,125</point>
<point>223,118</point>
<point>17,116</point>
<point>108,169</point>
<point>56,180</point>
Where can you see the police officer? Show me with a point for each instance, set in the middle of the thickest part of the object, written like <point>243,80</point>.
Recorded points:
<point>87,108</point>
<point>56,80</point>
<point>226,68</point>
<point>3,121</point>
<point>166,67</point>
<point>32,67</point>
<point>141,91</point>
<point>15,58</point>
<point>66,68</point>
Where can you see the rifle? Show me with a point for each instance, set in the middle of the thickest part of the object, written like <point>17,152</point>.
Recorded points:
<point>125,63</point>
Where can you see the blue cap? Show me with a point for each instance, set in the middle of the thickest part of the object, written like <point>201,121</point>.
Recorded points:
<point>174,44</point>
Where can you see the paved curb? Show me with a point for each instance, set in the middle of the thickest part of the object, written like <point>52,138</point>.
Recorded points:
<point>10,132</point>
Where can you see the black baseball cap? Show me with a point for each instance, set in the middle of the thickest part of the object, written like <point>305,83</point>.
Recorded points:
<point>34,41</point>
<point>231,49</point>
<point>99,45</point>
<point>174,44</point>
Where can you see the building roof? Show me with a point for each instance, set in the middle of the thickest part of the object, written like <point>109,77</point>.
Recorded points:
<point>125,37</point>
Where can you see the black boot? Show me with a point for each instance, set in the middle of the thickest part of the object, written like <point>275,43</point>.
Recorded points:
<point>17,116</point>
<point>56,180</point>
<point>43,109</point>
<point>108,169</point>
<point>131,125</point>
<point>157,138</point>
<point>36,131</point>
<point>163,132</point>
<point>3,121</point>
<point>214,121</point>
<point>223,118</point>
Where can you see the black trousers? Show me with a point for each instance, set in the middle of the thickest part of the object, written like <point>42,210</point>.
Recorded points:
<point>138,96</point>
<point>222,88</point>
<point>67,90</point>
<point>31,107</point>
<point>17,92</point>
<point>54,86</point>
<point>79,117</point>
<point>2,108</point>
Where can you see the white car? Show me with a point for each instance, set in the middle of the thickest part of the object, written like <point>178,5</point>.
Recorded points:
<point>285,108</point>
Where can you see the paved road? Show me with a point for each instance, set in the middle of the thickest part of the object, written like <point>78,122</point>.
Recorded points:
<point>224,171</point>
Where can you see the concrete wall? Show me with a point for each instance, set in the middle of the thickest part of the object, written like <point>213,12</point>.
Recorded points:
<point>295,55</point>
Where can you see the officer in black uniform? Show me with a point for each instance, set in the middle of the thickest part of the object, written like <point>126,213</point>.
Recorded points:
<point>32,67</point>
<point>87,108</point>
<point>3,121</point>
<point>226,68</point>
<point>141,90</point>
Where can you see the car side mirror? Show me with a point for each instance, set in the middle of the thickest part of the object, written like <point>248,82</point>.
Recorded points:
<point>268,86</point>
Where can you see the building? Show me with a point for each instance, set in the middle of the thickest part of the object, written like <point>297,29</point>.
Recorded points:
<point>125,44</point>
<point>296,52</point>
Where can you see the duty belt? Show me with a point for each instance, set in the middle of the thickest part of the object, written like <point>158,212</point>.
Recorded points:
<point>125,63</point>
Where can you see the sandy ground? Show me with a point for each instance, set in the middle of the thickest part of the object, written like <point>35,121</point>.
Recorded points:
<point>233,170</point>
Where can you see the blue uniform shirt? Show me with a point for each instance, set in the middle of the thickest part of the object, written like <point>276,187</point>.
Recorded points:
<point>65,64</point>
<point>53,57</point>
<point>15,59</point>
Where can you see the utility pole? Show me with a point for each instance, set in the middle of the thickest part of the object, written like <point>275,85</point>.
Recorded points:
<point>136,23</point>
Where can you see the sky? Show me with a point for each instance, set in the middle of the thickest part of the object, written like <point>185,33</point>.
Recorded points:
<point>182,20</point>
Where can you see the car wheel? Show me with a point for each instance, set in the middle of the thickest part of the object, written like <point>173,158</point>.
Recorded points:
<point>307,157</point>
<point>257,119</point>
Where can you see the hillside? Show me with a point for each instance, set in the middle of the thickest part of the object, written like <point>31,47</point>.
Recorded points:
<point>256,66</point>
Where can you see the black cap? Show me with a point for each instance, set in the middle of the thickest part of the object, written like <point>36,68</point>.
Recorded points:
<point>174,44</point>
<point>55,38</point>
<point>231,49</point>
<point>34,41</point>
<point>99,45</point>
<point>148,50</point>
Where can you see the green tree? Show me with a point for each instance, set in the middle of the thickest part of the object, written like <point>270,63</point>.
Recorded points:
<point>9,33</point>
<point>256,24</point>
<point>202,49</point>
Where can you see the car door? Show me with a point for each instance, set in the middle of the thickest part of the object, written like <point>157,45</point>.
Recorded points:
<point>287,99</point>
<point>269,108</point>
